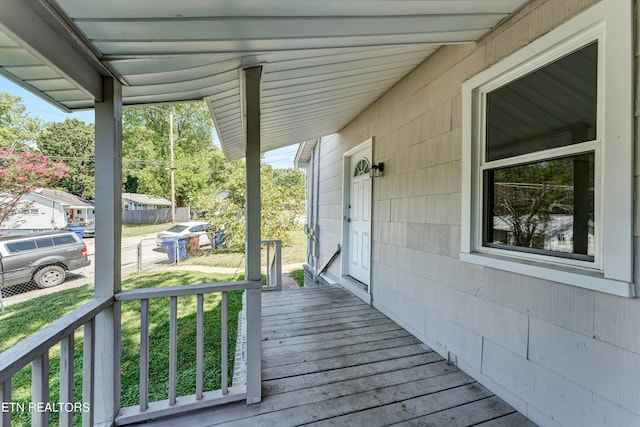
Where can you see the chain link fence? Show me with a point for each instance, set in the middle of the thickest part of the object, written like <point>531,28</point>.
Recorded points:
<point>153,253</point>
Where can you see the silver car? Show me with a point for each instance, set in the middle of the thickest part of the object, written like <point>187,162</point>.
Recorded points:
<point>40,257</point>
<point>185,229</point>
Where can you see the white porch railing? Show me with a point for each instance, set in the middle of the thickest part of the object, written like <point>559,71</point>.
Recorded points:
<point>274,264</point>
<point>35,351</point>
<point>176,404</point>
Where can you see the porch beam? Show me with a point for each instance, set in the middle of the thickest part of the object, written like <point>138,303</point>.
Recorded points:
<point>31,31</point>
<point>252,266</point>
<point>108,153</point>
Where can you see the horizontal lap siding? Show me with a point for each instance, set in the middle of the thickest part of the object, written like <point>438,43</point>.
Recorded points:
<point>511,331</point>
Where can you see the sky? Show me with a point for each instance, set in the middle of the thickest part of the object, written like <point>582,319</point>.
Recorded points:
<point>37,107</point>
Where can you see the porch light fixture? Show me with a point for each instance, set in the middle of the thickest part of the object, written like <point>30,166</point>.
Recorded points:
<point>377,170</point>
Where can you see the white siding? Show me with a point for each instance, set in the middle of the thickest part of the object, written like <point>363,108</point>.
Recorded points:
<point>562,355</point>
<point>50,214</point>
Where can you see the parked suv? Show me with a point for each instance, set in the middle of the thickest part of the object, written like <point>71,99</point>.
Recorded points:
<point>40,257</point>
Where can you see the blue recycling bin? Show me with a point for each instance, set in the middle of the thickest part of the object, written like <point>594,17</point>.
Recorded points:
<point>78,230</point>
<point>219,238</point>
<point>169,246</point>
<point>182,248</point>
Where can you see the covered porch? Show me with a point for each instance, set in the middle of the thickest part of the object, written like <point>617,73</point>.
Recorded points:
<point>330,359</point>
<point>272,75</point>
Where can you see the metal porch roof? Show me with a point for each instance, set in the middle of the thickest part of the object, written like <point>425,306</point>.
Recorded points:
<point>323,62</point>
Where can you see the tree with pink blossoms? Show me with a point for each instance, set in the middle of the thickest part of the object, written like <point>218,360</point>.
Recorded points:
<point>22,173</point>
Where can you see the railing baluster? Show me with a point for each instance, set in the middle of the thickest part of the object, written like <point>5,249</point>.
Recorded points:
<point>224,381</point>
<point>173,349</point>
<point>278,263</point>
<point>274,264</point>
<point>199,346</point>
<point>88,362</point>
<point>40,388</point>
<point>269,278</point>
<point>144,354</point>
<point>5,396</point>
<point>66,378</point>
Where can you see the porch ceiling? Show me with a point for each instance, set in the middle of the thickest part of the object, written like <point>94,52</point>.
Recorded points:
<point>323,62</point>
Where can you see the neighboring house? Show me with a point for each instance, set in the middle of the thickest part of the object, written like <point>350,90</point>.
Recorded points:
<point>143,202</point>
<point>46,209</point>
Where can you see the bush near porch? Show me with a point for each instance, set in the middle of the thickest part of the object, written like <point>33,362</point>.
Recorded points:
<point>24,319</point>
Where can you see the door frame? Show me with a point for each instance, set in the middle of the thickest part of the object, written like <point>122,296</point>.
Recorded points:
<point>367,145</point>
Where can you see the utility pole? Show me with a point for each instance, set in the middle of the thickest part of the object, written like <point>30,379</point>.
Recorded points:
<point>173,169</point>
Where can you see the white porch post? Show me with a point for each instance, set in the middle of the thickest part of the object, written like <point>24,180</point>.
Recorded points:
<point>252,266</point>
<point>108,177</point>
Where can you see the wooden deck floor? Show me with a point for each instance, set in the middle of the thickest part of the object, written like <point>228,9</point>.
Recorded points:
<point>330,359</point>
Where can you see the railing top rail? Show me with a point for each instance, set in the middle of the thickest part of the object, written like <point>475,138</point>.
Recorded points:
<point>271,241</point>
<point>175,291</point>
<point>18,356</point>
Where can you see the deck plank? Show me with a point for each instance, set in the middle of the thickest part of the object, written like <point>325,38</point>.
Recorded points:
<point>332,408</point>
<point>338,362</point>
<point>480,411</point>
<point>346,350</point>
<point>332,391</point>
<point>325,320</point>
<point>305,309</point>
<point>352,372</point>
<point>334,343</point>
<point>330,359</point>
<point>321,336</point>
<point>337,326</point>
<point>411,407</point>
<point>311,315</point>
<point>515,419</point>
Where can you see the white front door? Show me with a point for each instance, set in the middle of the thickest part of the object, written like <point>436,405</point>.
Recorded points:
<point>358,218</point>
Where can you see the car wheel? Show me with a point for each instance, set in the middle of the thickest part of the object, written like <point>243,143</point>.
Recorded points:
<point>49,276</point>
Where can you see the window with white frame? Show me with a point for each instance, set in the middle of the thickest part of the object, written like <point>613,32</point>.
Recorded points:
<point>547,156</point>
<point>538,161</point>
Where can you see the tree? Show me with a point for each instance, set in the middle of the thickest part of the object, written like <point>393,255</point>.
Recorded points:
<point>21,173</point>
<point>17,130</point>
<point>527,195</point>
<point>73,141</point>
<point>146,157</point>
<point>202,173</point>
<point>282,194</point>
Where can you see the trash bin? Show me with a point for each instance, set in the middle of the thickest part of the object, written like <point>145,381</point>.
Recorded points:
<point>192,244</point>
<point>169,246</point>
<point>78,230</point>
<point>219,239</point>
<point>182,248</point>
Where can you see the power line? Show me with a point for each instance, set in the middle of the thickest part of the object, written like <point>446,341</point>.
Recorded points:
<point>92,159</point>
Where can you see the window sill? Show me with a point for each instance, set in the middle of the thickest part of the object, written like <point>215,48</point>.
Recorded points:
<point>578,277</point>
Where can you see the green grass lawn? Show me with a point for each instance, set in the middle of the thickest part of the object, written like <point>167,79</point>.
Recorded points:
<point>131,230</point>
<point>23,319</point>
<point>298,276</point>
<point>291,254</point>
